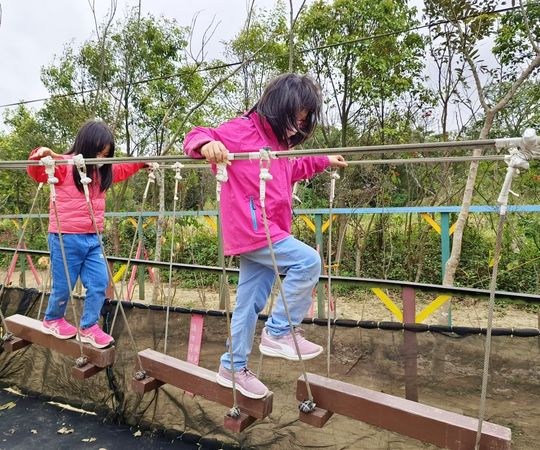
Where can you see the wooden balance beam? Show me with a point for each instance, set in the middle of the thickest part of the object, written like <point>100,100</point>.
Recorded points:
<point>425,423</point>
<point>28,331</point>
<point>161,369</point>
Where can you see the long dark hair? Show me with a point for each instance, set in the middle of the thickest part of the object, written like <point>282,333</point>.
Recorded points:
<point>286,96</point>
<point>92,138</point>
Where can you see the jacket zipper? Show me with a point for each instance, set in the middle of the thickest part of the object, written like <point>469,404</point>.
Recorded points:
<point>253,215</point>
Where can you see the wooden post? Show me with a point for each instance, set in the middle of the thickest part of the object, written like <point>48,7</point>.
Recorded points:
<point>410,345</point>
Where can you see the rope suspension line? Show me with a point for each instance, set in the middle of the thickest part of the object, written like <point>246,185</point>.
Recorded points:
<point>222,177</point>
<point>177,177</point>
<point>7,335</point>
<point>307,405</point>
<point>49,163</point>
<point>517,159</point>
<point>333,177</point>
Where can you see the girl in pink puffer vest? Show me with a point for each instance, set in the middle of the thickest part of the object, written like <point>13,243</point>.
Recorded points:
<point>77,233</point>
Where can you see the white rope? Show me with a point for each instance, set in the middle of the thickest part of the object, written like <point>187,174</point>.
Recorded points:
<point>264,176</point>
<point>222,177</point>
<point>516,160</point>
<point>177,178</point>
<point>333,177</point>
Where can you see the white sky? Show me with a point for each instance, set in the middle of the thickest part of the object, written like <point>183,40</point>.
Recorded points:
<point>32,32</point>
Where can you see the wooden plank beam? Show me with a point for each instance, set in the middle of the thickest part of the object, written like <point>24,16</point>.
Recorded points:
<point>30,330</point>
<point>200,381</point>
<point>426,423</point>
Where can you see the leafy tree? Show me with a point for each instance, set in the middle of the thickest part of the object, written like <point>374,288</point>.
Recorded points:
<point>24,133</point>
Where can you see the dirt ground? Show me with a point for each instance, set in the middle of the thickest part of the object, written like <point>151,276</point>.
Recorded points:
<point>361,305</point>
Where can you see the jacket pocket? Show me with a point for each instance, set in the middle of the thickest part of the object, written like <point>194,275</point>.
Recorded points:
<point>253,211</point>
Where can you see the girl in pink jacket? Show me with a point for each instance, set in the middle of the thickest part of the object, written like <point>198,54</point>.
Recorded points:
<point>285,116</point>
<point>81,242</point>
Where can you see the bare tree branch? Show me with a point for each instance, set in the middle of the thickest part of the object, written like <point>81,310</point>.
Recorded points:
<point>527,24</point>
<point>111,14</point>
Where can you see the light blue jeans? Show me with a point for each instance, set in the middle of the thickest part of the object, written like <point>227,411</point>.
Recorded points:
<point>85,259</point>
<point>301,265</point>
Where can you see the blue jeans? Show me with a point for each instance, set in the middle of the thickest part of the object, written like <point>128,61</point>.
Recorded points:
<point>85,259</point>
<point>301,265</point>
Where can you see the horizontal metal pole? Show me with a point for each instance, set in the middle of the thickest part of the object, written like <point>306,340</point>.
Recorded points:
<point>365,149</point>
<point>357,281</point>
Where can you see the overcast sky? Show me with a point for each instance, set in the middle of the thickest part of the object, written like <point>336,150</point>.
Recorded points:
<point>32,32</point>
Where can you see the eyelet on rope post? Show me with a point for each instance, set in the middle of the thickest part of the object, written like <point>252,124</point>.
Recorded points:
<point>81,361</point>
<point>307,406</point>
<point>234,412</point>
<point>7,336</point>
<point>140,375</point>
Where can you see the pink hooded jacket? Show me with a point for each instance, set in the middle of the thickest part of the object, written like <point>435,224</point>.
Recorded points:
<point>73,213</point>
<point>242,223</point>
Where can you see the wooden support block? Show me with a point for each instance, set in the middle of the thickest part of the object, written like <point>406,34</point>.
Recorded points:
<point>240,424</point>
<point>15,344</point>
<point>200,381</point>
<point>145,385</point>
<point>30,330</point>
<point>86,371</point>
<point>426,423</point>
<point>316,418</point>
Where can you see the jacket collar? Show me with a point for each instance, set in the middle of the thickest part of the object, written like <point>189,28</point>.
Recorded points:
<point>265,129</point>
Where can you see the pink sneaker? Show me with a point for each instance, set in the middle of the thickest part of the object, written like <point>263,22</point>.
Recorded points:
<point>95,336</point>
<point>59,328</point>
<point>245,380</point>
<point>283,346</point>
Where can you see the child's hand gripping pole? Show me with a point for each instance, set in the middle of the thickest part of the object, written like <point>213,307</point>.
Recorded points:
<point>518,159</point>
<point>264,174</point>
<point>49,164</point>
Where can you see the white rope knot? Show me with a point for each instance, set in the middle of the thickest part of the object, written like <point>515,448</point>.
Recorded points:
<point>333,177</point>
<point>152,167</point>
<point>177,166</point>
<point>518,159</point>
<point>78,160</point>
<point>49,164</point>
<point>264,174</point>
<point>221,175</point>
